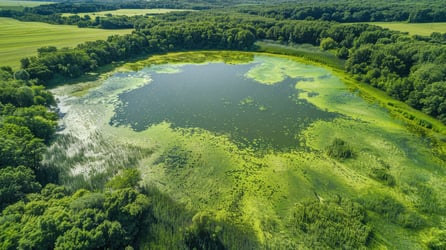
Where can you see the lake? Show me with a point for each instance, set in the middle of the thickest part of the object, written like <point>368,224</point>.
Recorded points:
<point>220,98</point>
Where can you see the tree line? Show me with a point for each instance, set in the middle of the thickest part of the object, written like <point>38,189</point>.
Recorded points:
<point>353,11</point>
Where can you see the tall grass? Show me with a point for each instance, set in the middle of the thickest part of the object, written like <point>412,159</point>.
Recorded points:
<point>89,164</point>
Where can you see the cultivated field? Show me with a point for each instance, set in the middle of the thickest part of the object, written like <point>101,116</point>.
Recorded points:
<point>125,12</point>
<point>22,39</point>
<point>424,29</point>
<point>17,5</point>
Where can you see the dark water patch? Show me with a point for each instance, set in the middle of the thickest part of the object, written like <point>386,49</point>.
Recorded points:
<point>219,98</point>
<point>327,76</point>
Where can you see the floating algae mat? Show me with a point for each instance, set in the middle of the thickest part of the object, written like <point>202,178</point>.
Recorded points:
<point>249,138</point>
<point>223,99</point>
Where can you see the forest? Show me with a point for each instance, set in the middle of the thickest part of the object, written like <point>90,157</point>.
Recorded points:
<point>411,69</point>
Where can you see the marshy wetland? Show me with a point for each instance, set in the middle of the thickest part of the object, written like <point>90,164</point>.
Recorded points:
<point>250,139</point>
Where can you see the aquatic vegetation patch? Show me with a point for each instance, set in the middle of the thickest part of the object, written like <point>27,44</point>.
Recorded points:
<point>272,70</point>
<point>175,157</point>
<point>199,57</point>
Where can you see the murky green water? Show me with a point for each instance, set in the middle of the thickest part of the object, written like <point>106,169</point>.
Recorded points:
<point>220,98</point>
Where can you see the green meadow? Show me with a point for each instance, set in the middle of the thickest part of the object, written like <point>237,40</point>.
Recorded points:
<point>125,12</point>
<point>424,29</point>
<point>22,39</point>
<point>365,155</point>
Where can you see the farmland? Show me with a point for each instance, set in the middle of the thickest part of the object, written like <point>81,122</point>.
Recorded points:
<point>125,12</point>
<point>424,29</point>
<point>22,39</point>
<point>10,4</point>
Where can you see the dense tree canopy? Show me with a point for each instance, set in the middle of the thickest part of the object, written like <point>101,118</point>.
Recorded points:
<point>26,124</point>
<point>353,11</point>
<point>54,219</point>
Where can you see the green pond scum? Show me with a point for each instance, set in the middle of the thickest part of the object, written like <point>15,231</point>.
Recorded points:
<point>268,143</point>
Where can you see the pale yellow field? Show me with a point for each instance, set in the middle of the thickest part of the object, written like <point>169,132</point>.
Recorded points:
<point>126,12</point>
<point>424,29</point>
<point>22,39</point>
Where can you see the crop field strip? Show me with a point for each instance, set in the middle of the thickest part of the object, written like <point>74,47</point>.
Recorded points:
<point>8,4</point>
<point>424,29</point>
<point>126,12</point>
<point>22,39</point>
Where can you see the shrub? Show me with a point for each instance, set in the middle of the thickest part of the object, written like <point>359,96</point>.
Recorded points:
<point>175,157</point>
<point>385,206</point>
<point>328,43</point>
<point>383,176</point>
<point>331,225</point>
<point>395,212</point>
<point>339,149</point>
<point>438,240</point>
